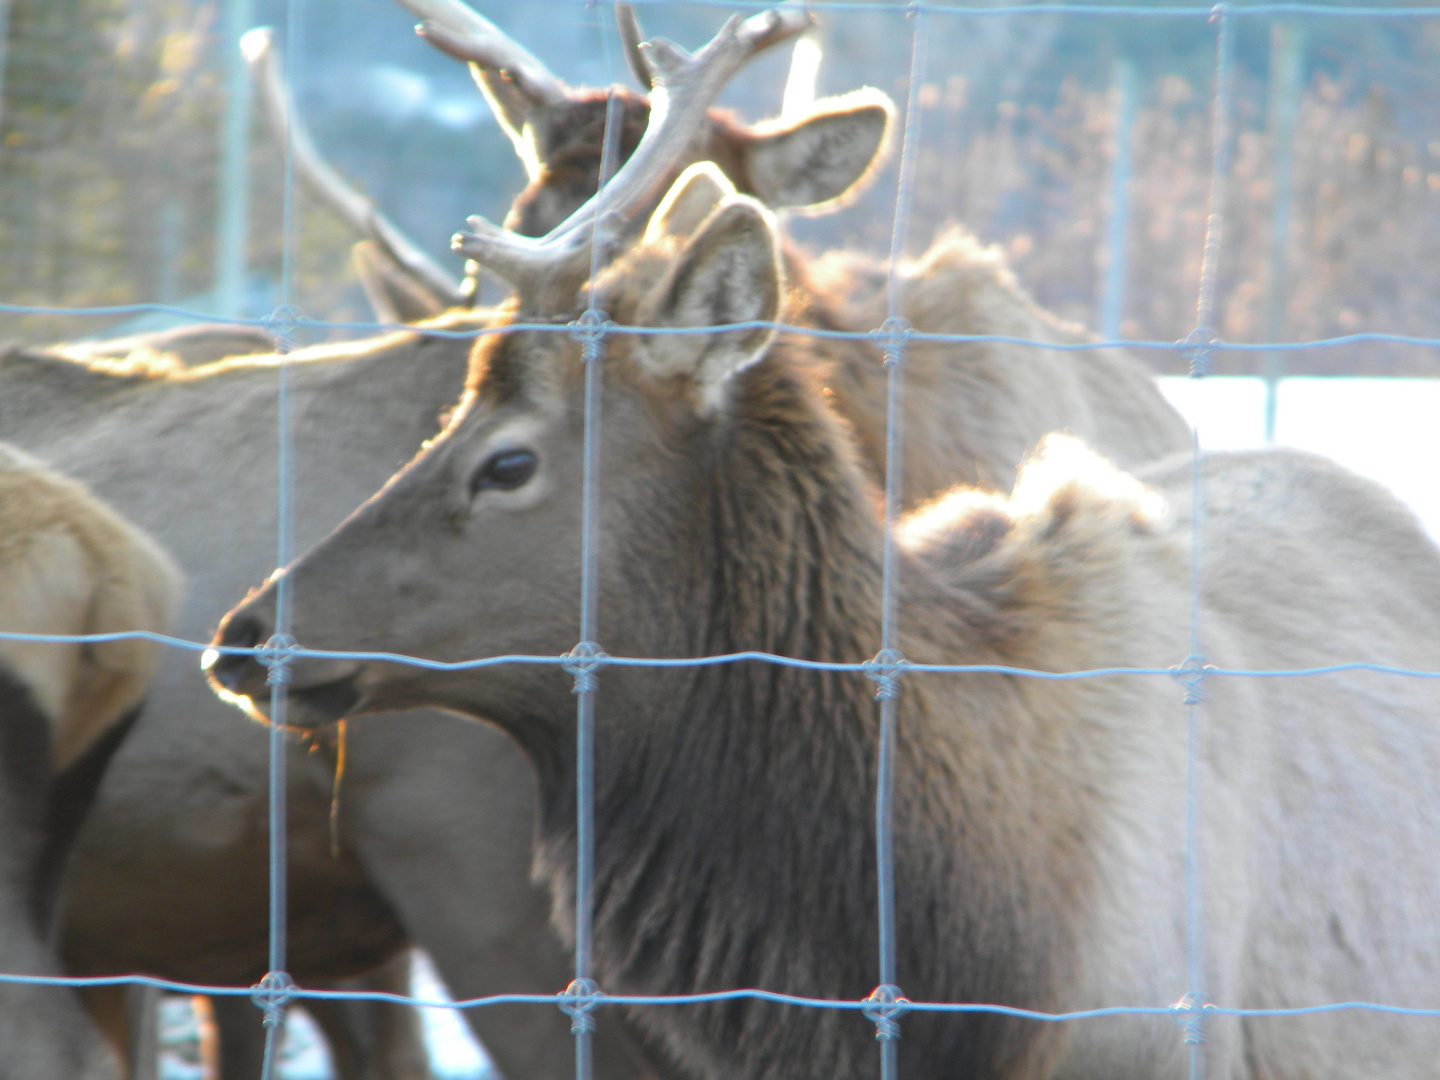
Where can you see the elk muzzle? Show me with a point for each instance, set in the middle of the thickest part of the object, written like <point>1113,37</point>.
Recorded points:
<point>321,689</point>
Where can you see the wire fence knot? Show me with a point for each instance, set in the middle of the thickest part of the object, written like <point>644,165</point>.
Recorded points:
<point>883,1008</point>
<point>1196,347</point>
<point>271,994</point>
<point>275,654</point>
<point>610,229</point>
<point>578,1002</point>
<point>282,323</point>
<point>884,670</point>
<point>1218,12</point>
<point>891,337</point>
<point>1190,673</point>
<point>590,330</point>
<point>583,662</point>
<point>1190,1013</point>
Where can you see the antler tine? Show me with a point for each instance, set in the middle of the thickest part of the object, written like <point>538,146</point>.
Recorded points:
<point>261,56</point>
<point>630,38</point>
<point>794,21</point>
<point>457,29</point>
<point>775,26</point>
<point>685,88</point>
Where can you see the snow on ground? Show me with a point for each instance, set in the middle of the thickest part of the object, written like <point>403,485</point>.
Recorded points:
<point>454,1053</point>
<point>1385,429</point>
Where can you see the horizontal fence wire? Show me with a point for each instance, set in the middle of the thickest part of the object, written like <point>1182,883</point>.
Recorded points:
<point>878,336</point>
<point>717,996</point>
<point>265,655</point>
<point>713,997</point>
<point>281,651</point>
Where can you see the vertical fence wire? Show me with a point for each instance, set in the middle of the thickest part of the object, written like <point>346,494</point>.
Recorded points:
<point>884,1009</point>
<point>1196,1001</point>
<point>273,994</point>
<point>1204,334</point>
<point>582,995</point>
<point>4,53</point>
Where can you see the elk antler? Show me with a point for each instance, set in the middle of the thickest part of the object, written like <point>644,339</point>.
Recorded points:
<point>548,269</point>
<point>804,73</point>
<point>513,81</point>
<point>261,56</point>
<point>631,36</point>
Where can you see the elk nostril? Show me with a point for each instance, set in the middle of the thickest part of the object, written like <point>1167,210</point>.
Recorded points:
<point>239,632</point>
<point>242,632</point>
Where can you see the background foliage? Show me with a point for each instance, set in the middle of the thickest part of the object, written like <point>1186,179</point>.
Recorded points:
<point>110,141</point>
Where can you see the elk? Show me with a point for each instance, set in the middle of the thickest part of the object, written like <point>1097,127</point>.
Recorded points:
<point>1039,825</point>
<point>68,566</point>
<point>179,452</point>
<point>188,453</point>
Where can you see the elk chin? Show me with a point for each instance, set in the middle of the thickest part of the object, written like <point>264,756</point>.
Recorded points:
<point>320,704</point>
<point>320,691</point>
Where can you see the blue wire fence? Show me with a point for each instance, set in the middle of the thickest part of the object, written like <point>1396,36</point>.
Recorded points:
<point>887,1005</point>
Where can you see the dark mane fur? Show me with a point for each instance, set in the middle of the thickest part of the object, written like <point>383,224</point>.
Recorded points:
<point>690,899</point>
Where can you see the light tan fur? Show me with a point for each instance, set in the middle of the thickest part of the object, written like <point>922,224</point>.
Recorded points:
<point>70,565</point>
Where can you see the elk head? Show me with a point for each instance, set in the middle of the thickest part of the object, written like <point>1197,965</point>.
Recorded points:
<point>474,549</point>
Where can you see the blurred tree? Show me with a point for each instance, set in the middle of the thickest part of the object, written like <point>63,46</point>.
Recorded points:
<point>109,143</point>
<point>109,149</point>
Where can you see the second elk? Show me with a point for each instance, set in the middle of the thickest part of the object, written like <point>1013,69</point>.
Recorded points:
<point>68,566</point>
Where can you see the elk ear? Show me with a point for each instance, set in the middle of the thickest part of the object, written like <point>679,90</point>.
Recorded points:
<point>395,294</point>
<point>829,155</point>
<point>690,200</point>
<point>728,273</point>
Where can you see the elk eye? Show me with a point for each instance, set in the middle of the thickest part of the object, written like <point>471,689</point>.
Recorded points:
<point>504,470</point>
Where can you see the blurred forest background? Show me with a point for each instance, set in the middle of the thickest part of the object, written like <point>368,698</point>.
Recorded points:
<point>112,134</point>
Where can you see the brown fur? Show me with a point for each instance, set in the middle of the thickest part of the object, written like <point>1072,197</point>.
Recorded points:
<point>972,410</point>
<point>70,565</point>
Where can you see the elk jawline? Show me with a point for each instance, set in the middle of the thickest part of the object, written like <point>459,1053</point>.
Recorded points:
<point>319,704</point>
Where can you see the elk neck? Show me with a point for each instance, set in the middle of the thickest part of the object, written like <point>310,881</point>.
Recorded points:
<point>735,802</point>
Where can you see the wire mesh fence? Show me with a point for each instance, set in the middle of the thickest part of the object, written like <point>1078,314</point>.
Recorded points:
<point>888,1006</point>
